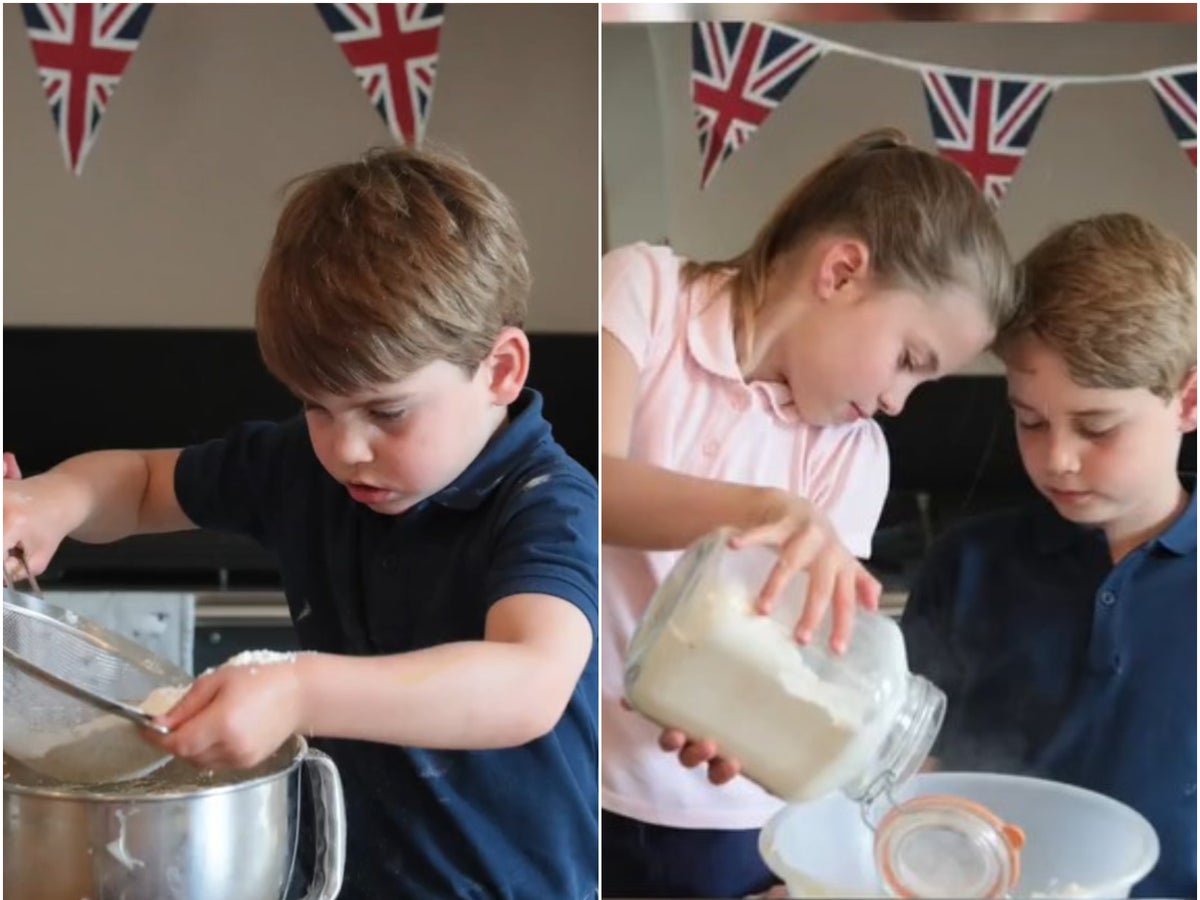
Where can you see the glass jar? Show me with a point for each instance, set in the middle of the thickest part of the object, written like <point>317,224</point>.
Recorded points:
<point>801,720</point>
<point>804,722</point>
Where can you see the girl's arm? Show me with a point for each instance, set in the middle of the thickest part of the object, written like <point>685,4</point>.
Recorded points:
<point>651,508</point>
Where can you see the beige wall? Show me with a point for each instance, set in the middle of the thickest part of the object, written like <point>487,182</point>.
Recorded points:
<point>1097,148</point>
<point>222,104</point>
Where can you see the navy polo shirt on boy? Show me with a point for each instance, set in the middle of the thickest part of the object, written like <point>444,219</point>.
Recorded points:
<point>1060,665</point>
<point>522,518</point>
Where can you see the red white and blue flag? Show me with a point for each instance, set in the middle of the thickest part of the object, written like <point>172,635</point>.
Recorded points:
<point>81,51</point>
<point>393,49</point>
<point>740,72</point>
<point>985,123</point>
<point>1176,92</point>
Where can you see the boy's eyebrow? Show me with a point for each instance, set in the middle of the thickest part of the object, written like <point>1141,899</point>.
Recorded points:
<point>402,397</point>
<point>383,399</point>
<point>1101,411</point>
<point>1078,413</point>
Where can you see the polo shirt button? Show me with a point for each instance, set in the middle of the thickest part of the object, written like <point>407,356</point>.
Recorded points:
<point>1108,598</point>
<point>710,448</point>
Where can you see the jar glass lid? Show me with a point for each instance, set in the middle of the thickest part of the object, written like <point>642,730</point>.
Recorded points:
<point>944,846</point>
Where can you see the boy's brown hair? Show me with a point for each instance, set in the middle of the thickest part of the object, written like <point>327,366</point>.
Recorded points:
<point>926,224</point>
<point>382,266</point>
<point>1115,297</point>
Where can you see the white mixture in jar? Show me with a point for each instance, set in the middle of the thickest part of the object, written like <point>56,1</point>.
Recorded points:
<point>719,665</point>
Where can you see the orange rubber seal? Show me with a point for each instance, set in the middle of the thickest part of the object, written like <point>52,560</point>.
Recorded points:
<point>1013,836</point>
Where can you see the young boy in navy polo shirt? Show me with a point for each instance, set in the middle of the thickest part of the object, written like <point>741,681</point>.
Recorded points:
<point>438,548</point>
<point>1065,635</point>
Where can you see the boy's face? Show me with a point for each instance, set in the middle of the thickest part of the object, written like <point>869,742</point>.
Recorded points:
<point>398,444</point>
<point>1104,457</point>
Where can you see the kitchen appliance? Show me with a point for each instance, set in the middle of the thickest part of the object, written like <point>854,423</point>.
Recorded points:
<point>177,834</point>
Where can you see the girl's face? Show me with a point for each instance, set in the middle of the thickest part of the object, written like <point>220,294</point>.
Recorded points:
<point>859,349</point>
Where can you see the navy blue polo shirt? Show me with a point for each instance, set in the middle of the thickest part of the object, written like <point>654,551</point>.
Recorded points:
<point>1058,664</point>
<point>509,823</point>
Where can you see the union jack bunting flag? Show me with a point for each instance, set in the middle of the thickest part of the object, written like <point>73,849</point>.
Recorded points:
<point>740,72</point>
<point>1176,92</point>
<point>984,124</point>
<point>393,49</point>
<point>81,49</point>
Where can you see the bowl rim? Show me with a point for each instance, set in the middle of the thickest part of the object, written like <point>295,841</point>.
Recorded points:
<point>116,797</point>
<point>1151,849</point>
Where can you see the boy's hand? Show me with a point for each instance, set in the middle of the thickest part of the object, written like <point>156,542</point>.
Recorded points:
<point>234,717</point>
<point>38,513</point>
<point>807,542</point>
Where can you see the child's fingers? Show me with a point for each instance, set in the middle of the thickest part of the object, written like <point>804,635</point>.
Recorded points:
<point>868,589</point>
<point>672,740</point>
<point>192,742</point>
<point>822,576</point>
<point>20,564</point>
<point>771,533</point>
<point>795,556</point>
<point>816,601</point>
<point>843,610</point>
<point>696,753</point>
<point>11,469</point>
<point>722,770</point>
<point>203,692</point>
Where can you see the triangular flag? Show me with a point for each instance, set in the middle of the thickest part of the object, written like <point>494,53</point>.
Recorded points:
<point>984,123</point>
<point>393,49</point>
<point>81,50</point>
<point>740,72</point>
<point>1176,92</point>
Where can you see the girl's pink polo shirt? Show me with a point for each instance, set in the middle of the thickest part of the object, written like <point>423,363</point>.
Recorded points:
<point>696,415</point>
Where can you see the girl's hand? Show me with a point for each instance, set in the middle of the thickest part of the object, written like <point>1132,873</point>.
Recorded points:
<point>721,769</point>
<point>807,542</point>
<point>234,717</point>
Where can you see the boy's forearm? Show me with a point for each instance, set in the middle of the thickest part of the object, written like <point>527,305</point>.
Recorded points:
<point>470,695</point>
<point>112,494</point>
<point>650,508</point>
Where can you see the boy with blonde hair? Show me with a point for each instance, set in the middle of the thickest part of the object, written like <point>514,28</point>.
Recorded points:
<point>1065,635</point>
<point>437,547</point>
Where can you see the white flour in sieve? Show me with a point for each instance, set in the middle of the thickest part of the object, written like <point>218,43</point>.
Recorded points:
<point>103,749</point>
<point>107,747</point>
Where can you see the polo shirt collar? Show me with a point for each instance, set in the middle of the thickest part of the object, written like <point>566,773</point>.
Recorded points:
<point>1052,533</point>
<point>525,429</point>
<point>1180,536</point>
<point>710,344</point>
